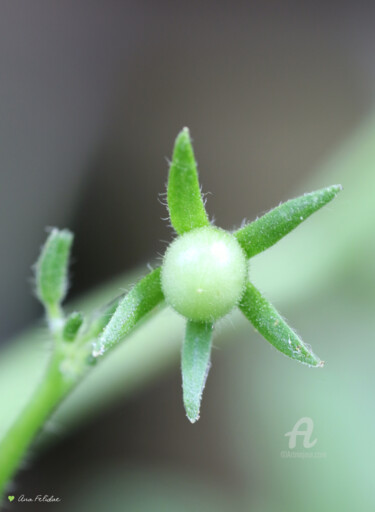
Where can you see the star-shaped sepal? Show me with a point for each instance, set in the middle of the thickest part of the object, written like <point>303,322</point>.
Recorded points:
<point>205,275</point>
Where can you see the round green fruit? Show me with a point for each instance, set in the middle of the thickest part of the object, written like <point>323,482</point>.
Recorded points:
<point>204,274</point>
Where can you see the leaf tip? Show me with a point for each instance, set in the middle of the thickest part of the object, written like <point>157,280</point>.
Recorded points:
<point>97,350</point>
<point>336,188</point>
<point>97,353</point>
<point>315,363</point>
<point>192,412</point>
<point>183,139</point>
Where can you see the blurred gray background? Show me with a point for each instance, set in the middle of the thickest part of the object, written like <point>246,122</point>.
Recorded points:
<point>92,95</point>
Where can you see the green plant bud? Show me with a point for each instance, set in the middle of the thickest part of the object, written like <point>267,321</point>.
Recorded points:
<point>52,267</point>
<point>204,274</point>
<point>72,326</point>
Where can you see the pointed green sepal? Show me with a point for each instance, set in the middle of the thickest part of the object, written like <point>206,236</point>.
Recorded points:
<point>185,204</point>
<point>274,225</point>
<point>141,299</point>
<point>270,324</point>
<point>52,268</point>
<point>72,326</point>
<point>195,365</point>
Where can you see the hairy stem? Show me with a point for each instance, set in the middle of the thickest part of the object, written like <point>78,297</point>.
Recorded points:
<point>52,389</point>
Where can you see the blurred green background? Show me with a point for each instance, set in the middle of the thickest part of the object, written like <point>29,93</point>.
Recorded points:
<point>279,100</point>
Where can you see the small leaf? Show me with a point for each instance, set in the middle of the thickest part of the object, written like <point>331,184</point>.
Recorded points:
<point>195,365</point>
<point>186,208</point>
<point>52,268</point>
<point>141,299</point>
<point>72,326</point>
<point>270,324</point>
<point>274,225</point>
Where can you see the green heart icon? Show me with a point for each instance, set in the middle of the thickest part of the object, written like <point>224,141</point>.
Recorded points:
<point>10,498</point>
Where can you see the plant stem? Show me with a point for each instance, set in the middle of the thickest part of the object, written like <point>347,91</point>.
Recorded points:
<point>52,389</point>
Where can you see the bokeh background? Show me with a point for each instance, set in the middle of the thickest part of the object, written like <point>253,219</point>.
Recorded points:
<point>279,100</point>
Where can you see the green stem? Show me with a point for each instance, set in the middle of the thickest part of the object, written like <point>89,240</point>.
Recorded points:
<point>55,318</point>
<point>52,389</point>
